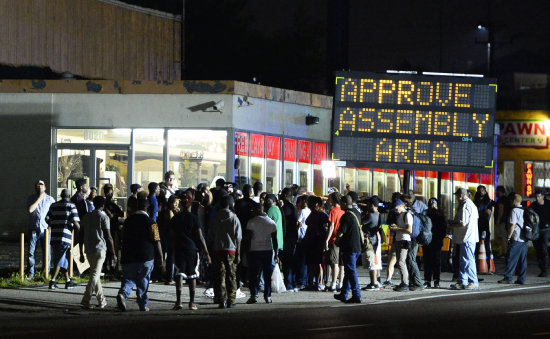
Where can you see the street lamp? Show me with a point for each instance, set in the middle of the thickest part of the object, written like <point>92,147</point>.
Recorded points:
<point>490,43</point>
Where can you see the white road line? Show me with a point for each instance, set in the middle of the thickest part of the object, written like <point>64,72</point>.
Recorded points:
<point>337,327</point>
<point>458,294</point>
<point>527,311</point>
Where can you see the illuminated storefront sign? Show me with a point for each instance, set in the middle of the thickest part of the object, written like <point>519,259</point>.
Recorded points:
<point>414,122</point>
<point>257,145</point>
<point>523,133</point>
<point>305,151</point>
<point>290,149</point>
<point>273,147</point>
<point>241,143</point>
<point>528,174</point>
<point>319,152</point>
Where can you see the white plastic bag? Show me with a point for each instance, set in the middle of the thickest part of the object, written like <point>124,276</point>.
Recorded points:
<point>277,283</point>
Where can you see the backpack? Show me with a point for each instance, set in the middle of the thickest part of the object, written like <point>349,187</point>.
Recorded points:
<point>421,228</point>
<point>530,229</point>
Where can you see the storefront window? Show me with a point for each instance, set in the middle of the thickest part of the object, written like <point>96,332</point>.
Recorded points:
<point>320,153</point>
<point>148,146</point>
<point>72,165</point>
<point>304,166</point>
<point>349,179</point>
<point>94,136</point>
<point>241,153</point>
<point>541,175</point>
<point>505,177</point>
<point>273,164</point>
<point>290,153</point>
<point>392,183</point>
<point>364,181</point>
<point>257,158</point>
<point>379,183</point>
<point>197,156</point>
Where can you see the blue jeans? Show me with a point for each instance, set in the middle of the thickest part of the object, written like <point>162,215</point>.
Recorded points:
<point>301,267</point>
<point>35,237</point>
<point>260,261</point>
<point>289,263</point>
<point>350,275</point>
<point>467,272</point>
<point>517,258</point>
<point>136,274</point>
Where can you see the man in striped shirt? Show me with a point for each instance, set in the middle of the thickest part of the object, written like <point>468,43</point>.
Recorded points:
<point>62,218</point>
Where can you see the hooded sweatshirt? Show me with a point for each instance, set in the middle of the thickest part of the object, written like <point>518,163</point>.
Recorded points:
<point>224,232</point>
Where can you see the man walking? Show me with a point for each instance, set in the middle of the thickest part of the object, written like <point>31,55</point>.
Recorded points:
<point>62,218</point>
<point>465,234</point>
<point>349,238</point>
<point>95,238</point>
<point>38,205</point>
<point>140,240</point>
<point>225,235</point>
<point>186,239</point>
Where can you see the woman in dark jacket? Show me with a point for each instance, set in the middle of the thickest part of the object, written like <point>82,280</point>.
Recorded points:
<point>432,252</point>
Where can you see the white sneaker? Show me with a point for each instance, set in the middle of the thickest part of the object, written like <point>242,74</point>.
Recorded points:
<point>103,304</point>
<point>209,293</point>
<point>240,294</point>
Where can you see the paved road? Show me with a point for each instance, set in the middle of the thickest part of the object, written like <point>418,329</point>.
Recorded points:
<point>488,312</point>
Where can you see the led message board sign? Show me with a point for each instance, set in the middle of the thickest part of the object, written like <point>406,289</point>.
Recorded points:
<point>406,121</point>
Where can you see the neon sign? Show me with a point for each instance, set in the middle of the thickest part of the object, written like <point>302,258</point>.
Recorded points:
<point>528,179</point>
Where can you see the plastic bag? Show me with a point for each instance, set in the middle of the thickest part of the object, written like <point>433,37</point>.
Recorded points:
<point>277,283</point>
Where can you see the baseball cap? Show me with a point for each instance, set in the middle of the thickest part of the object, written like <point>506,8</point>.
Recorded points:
<point>398,202</point>
<point>40,182</point>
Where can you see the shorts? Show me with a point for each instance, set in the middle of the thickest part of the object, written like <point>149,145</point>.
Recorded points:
<point>188,265</point>
<point>333,257</point>
<point>59,254</point>
<point>372,258</point>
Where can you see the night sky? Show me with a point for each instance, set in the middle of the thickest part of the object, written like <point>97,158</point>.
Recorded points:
<point>294,43</point>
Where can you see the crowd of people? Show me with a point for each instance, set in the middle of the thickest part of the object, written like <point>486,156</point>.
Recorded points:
<point>229,238</point>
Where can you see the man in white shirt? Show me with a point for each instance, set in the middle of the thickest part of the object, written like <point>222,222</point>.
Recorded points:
<point>517,247</point>
<point>465,234</point>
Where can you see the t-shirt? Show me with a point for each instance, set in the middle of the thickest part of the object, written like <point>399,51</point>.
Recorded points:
<point>139,235</point>
<point>506,207</point>
<point>516,218</point>
<point>61,218</point>
<point>302,218</point>
<point>37,219</point>
<point>243,209</point>
<point>291,218</point>
<point>349,227</point>
<point>403,219</point>
<point>334,217</point>
<point>370,223</point>
<point>262,227</point>
<point>93,224</point>
<point>153,209</point>
<point>184,228</point>
<point>543,212</point>
<point>467,215</point>
<point>316,226</point>
<point>275,214</point>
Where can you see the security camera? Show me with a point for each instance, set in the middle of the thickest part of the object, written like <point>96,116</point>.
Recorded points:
<point>218,106</point>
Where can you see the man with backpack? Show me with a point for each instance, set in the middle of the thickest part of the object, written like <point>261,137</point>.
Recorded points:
<point>415,280</point>
<point>465,234</point>
<point>517,246</point>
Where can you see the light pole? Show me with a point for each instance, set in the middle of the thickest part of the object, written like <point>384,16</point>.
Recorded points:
<point>490,44</point>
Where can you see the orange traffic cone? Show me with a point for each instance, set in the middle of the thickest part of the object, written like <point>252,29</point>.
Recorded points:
<point>492,264</point>
<point>482,259</point>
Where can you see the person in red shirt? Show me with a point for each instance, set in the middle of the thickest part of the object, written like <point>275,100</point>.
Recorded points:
<point>333,251</point>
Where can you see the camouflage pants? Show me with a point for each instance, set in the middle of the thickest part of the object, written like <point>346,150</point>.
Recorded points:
<point>225,280</point>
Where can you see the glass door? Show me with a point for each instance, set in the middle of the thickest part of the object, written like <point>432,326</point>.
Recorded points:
<point>98,165</point>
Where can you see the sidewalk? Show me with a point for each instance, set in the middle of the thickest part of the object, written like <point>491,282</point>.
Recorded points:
<point>162,297</point>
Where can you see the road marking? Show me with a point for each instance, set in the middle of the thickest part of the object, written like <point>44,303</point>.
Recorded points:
<point>460,294</point>
<point>541,333</point>
<point>337,327</point>
<point>527,311</point>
